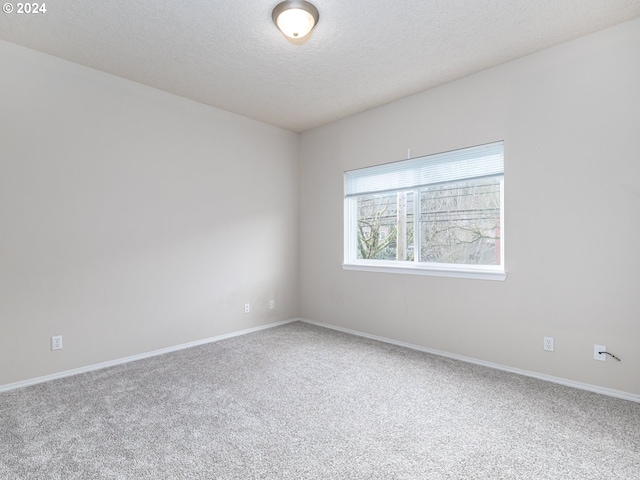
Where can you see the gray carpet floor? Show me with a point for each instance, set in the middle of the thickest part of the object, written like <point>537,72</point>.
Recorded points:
<point>303,402</point>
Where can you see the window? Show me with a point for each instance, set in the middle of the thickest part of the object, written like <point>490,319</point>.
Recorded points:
<point>436,215</point>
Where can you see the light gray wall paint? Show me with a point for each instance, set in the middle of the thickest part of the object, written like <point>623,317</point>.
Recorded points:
<point>570,119</point>
<point>118,231</point>
<point>132,220</point>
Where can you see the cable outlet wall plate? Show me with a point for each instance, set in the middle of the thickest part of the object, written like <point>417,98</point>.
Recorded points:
<point>600,356</point>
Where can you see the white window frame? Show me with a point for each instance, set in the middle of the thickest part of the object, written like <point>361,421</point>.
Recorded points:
<point>411,175</point>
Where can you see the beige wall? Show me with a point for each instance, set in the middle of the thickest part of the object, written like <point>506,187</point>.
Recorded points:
<point>570,119</point>
<point>132,220</point>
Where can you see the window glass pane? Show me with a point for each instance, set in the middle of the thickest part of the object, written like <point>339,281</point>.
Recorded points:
<point>460,222</point>
<point>385,226</point>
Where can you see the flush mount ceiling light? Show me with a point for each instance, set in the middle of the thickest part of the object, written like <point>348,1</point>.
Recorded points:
<point>295,18</point>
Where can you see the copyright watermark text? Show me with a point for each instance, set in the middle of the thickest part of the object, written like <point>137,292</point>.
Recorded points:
<point>24,8</point>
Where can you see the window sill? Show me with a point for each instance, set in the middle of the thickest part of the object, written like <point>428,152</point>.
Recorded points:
<point>412,269</point>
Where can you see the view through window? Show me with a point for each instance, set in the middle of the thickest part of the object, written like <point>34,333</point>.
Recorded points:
<point>442,212</point>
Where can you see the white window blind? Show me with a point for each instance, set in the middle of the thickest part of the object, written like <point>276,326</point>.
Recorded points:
<point>466,164</point>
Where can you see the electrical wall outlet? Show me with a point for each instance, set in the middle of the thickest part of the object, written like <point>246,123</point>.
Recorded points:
<point>56,342</point>
<point>600,356</point>
<point>547,344</point>
<point>272,304</point>
<point>247,308</point>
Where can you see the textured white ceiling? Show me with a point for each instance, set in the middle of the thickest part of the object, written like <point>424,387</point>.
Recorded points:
<point>362,54</point>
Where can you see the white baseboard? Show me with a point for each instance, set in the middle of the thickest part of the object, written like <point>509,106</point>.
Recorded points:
<point>133,358</point>
<point>540,376</point>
